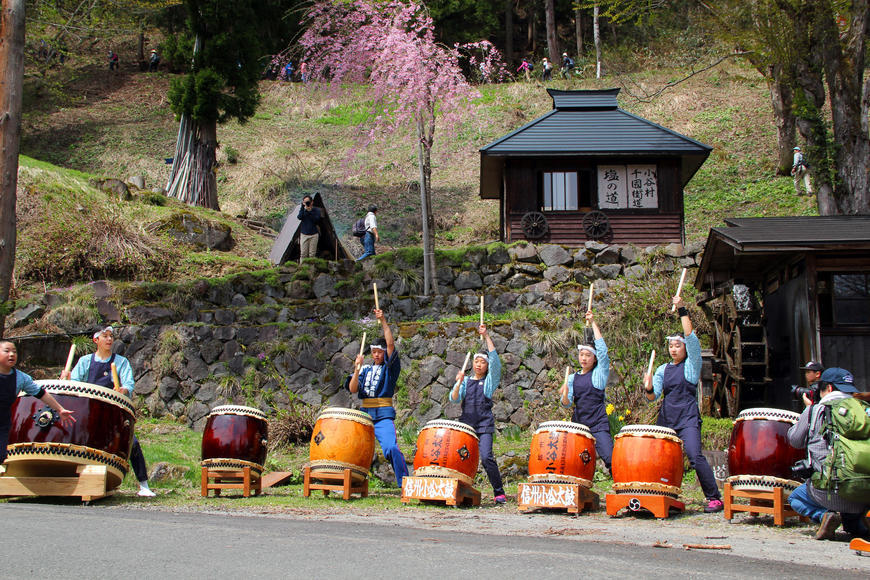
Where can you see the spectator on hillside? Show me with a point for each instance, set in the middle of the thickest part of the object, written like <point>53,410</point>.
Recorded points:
<point>547,73</point>
<point>567,65</point>
<point>287,75</point>
<point>309,234</point>
<point>371,236</point>
<point>799,169</point>
<point>303,71</point>
<point>153,61</point>
<point>114,61</point>
<point>526,67</point>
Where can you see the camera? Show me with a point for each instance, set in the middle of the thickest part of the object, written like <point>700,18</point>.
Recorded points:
<point>802,470</point>
<point>812,392</point>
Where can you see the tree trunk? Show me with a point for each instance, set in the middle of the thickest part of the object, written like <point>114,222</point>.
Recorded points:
<point>596,33</point>
<point>424,163</point>
<point>142,40</point>
<point>781,98</point>
<point>193,179</point>
<point>552,41</point>
<point>509,31</point>
<point>578,28</point>
<point>12,69</point>
<point>531,44</point>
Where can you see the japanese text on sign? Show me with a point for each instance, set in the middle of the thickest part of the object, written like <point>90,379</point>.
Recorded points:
<point>628,187</point>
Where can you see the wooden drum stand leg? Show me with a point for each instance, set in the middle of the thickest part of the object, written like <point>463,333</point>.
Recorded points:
<point>659,505</point>
<point>242,479</point>
<point>333,482</point>
<point>771,502</point>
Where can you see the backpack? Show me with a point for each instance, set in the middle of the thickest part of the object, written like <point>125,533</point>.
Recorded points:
<point>846,470</point>
<point>359,227</point>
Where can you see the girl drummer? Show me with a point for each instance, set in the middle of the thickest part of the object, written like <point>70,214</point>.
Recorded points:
<point>475,392</point>
<point>677,382</point>
<point>585,392</point>
<point>13,382</point>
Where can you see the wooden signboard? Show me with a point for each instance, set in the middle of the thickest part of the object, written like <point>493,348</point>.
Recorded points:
<point>571,497</point>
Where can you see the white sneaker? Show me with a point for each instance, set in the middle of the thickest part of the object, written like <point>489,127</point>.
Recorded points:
<point>145,492</point>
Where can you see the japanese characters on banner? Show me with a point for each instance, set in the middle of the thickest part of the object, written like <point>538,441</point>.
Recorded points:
<point>628,187</point>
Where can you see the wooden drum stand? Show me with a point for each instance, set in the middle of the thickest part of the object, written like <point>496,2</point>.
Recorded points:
<point>347,481</point>
<point>766,494</point>
<point>656,498</point>
<point>571,494</point>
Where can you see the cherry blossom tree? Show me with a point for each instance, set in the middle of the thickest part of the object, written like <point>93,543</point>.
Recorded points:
<point>413,81</point>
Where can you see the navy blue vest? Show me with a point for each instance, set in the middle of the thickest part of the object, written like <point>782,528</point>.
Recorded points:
<point>8,393</point>
<point>680,405</point>
<point>589,404</point>
<point>100,373</point>
<point>476,408</point>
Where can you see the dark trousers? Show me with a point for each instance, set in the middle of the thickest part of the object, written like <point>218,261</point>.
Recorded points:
<point>489,464</point>
<point>4,440</point>
<point>137,461</point>
<point>691,437</point>
<point>604,446</point>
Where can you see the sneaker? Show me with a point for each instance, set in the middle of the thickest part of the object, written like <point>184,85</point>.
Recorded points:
<point>501,498</point>
<point>145,492</point>
<point>828,526</point>
<point>713,506</point>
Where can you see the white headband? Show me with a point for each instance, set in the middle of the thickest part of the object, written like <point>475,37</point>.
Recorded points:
<point>676,337</point>
<point>376,347</point>
<point>107,329</point>
<point>481,355</point>
<point>589,348</point>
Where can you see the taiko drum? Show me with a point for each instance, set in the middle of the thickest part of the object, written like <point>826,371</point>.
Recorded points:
<point>342,439</point>
<point>562,451</point>
<point>447,449</point>
<point>39,446</point>
<point>759,444</point>
<point>235,437</point>
<point>647,457</point>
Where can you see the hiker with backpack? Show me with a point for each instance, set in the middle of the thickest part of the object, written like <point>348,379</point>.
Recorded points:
<point>836,434</point>
<point>368,231</point>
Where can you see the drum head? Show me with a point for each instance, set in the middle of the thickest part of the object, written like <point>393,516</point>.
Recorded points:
<point>238,410</point>
<point>347,414</point>
<point>565,426</point>
<point>649,431</point>
<point>447,424</point>
<point>88,391</point>
<point>766,414</point>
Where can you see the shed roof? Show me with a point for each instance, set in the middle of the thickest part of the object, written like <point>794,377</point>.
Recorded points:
<point>748,248</point>
<point>590,123</point>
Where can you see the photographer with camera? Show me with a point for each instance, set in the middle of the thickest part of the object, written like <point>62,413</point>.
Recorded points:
<point>824,507</point>
<point>309,234</point>
<point>812,374</point>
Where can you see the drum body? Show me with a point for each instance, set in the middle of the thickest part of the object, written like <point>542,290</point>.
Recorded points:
<point>562,451</point>
<point>759,454</point>
<point>342,439</point>
<point>235,437</point>
<point>447,449</point>
<point>647,458</point>
<point>101,435</point>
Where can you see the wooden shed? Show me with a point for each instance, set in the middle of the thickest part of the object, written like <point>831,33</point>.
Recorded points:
<point>286,246</point>
<point>589,170</point>
<point>783,291</point>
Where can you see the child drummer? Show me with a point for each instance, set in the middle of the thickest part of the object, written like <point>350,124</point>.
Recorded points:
<point>677,383</point>
<point>475,392</point>
<point>12,382</point>
<point>378,381</point>
<point>585,390</point>
<point>96,369</point>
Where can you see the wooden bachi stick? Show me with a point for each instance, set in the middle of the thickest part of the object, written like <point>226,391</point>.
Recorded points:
<point>589,306</point>
<point>115,379</point>
<point>69,359</point>
<point>481,309</point>
<point>679,288</point>
<point>362,345</point>
<point>465,364</point>
<point>567,372</point>
<point>375,286</point>
<point>652,358</point>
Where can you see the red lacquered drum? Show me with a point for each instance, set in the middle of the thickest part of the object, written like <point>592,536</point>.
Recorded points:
<point>101,435</point>
<point>759,454</point>
<point>235,437</point>
<point>647,459</point>
<point>342,439</point>
<point>447,449</point>
<point>562,452</point>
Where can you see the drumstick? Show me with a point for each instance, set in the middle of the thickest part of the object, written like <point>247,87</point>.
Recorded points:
<point>362,345</point>
<point>69,359</point>
<point>567,372</point>
<point>375,286</point>
<point>481,309</point>
<point>589,306</point>
<point>465,364</point>
<point>652,358</point>
<point>115,379</point>
<point>679,288</point>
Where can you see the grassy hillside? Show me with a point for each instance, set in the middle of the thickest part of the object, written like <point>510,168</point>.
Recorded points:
<point>299,142</point>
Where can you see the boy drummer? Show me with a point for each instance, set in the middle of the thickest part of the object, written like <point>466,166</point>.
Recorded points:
<point>96,369</point>
<point>378,382</point>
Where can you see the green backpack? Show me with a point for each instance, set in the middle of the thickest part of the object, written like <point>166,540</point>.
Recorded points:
<point>846,470</point>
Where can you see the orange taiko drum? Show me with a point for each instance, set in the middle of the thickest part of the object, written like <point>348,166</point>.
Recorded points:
<point>342,439</point>
<point>562,452</point>
<point>447,449</point>
<point>759,454</point>
<point>647,459</point>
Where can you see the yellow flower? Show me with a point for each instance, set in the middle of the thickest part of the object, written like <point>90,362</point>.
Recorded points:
<point>621,418</point>
<point>609,408</point>
<point>628,411</point>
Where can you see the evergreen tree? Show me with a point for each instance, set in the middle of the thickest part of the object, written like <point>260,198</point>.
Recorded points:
<point>221,85</point>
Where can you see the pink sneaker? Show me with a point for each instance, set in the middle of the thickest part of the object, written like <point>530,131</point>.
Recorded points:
<point>713,506</point>
<point>500,498</point>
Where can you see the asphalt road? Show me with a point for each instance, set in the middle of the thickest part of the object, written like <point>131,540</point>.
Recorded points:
<point>46,540</point>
